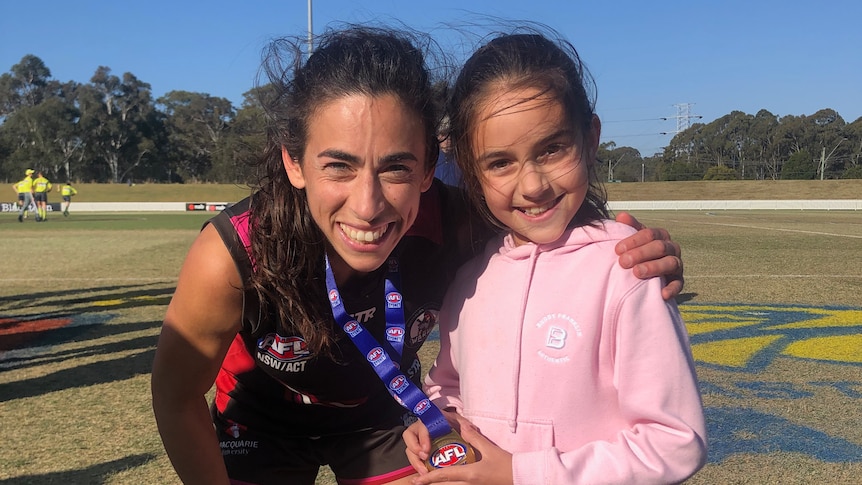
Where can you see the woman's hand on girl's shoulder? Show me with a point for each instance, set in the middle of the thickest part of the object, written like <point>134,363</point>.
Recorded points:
<point>651,252</point>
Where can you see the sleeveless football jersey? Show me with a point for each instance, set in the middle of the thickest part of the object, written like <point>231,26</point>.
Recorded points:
<point>269,379</point>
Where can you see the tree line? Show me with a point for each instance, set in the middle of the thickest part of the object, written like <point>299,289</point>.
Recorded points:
<point>742,146</point>
<point>112,130</point>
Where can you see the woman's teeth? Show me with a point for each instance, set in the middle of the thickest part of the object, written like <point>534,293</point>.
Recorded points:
<point>363,236</point>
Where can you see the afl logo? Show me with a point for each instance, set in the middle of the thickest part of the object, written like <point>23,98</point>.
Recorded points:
<point>352,328</point>
<point>284,349</point>
<point>395,334</point>
<point>376,356</point>
<point>393,300</point>
<point>448,455</point>
<point>423,406</point>
<point>398,384</point>
<point>333,297</point>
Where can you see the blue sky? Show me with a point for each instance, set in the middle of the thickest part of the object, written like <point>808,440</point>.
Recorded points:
<point>791,58</point>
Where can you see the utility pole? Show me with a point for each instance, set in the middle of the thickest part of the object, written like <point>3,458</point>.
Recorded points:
<point>822,162</point>
<point>824,158</point>
<point>611,167</point>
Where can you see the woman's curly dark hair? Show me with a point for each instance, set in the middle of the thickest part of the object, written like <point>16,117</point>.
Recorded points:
<point>287,247</point>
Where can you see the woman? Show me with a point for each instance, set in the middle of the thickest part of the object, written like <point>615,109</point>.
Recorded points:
<point>347,186</point>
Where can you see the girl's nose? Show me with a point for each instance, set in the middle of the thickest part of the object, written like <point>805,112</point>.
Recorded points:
<point>533,181</point>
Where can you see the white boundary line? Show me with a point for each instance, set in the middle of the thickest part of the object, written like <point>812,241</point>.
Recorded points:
<point>745,226</point>
<point>617,205</point>
<point>801,276</point>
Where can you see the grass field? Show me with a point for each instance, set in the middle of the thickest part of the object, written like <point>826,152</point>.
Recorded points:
<point>773,304</point>
<point>715,190</point>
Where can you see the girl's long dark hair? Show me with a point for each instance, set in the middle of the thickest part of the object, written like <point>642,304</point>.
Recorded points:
<point>524,57</point>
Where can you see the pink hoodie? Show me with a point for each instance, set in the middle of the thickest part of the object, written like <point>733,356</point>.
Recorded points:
<point>571,363</point>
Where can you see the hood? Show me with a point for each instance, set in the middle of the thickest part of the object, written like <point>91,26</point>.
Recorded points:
<point>571,240</point>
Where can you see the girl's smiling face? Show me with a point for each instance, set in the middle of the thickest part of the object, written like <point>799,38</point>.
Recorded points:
<point>533,165</point>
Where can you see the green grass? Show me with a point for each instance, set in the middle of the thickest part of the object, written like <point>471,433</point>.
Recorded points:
<point>74,402</point>
<point>114,221</point>
<point>697,190</point>
<point>157,193</point>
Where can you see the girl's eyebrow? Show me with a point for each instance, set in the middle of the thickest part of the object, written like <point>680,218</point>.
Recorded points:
<point>561,133</point>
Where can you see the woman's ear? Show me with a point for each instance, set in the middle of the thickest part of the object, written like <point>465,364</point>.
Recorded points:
<point>293,169</point>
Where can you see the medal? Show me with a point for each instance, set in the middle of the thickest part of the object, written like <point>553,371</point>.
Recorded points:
<point>449,450</point>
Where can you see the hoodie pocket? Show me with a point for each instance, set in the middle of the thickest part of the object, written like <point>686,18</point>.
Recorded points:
<point>517,437</point>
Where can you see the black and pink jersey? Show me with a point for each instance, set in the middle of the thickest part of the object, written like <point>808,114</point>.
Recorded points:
<point>270,380</point>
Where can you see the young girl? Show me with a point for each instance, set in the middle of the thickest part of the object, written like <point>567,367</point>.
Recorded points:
<point>562,366</point>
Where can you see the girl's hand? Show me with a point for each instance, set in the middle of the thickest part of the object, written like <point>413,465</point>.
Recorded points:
<point>494,465</point>
<point>651,252</point>
<point>418,440</point>
<point>418,443</point>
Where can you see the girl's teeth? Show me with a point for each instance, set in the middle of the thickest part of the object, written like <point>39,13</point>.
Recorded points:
<point>534,211</point>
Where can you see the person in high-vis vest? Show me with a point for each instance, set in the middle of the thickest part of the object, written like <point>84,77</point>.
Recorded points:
<point>25,187</point>
<point>67,191</point>
<point>16,187</point>
<point>41,187</point>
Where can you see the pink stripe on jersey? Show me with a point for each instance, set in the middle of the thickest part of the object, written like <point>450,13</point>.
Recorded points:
<point>240,224</point>
<point>379,479</point>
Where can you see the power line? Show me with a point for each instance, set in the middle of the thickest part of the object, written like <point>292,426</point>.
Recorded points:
<point>632,121</point>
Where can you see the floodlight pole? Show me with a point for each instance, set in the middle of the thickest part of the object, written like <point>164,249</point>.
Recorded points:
<point>310,31</point>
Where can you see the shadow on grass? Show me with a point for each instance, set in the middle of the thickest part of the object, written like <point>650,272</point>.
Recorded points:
<point>82,316</point>
<point>740,430</point>
<point>85,375</point>
<point>98,298</point>
<point>23,360</point>
<point>98,473</point>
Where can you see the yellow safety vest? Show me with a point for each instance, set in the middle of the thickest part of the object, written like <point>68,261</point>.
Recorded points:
<point>25,185</point>
<point>42,184</point>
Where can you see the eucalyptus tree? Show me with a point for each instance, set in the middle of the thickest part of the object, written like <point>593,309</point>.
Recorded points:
<point>39,120</point>
<point>115,113</point>
<point>196,124</point>
<point>244,142</point>
<point>44,136</point>
<point>800,166</point>
<point>762,150</point>
<point>25,85</point>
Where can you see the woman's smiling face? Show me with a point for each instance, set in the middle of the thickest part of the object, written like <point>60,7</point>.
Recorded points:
<point>363,171</point>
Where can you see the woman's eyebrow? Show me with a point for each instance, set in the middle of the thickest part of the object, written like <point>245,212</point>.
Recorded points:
<point>338,155</point>
<point>398,157</point>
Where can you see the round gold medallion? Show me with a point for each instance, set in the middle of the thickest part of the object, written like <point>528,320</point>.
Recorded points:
<point>449,450</point>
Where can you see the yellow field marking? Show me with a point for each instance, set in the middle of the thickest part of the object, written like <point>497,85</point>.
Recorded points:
<point>731,353</point>
<point>845,348</point>
<point>743,336</point>
<point>120,301</point>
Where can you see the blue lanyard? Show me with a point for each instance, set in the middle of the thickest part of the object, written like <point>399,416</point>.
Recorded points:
<point>402,389</point>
